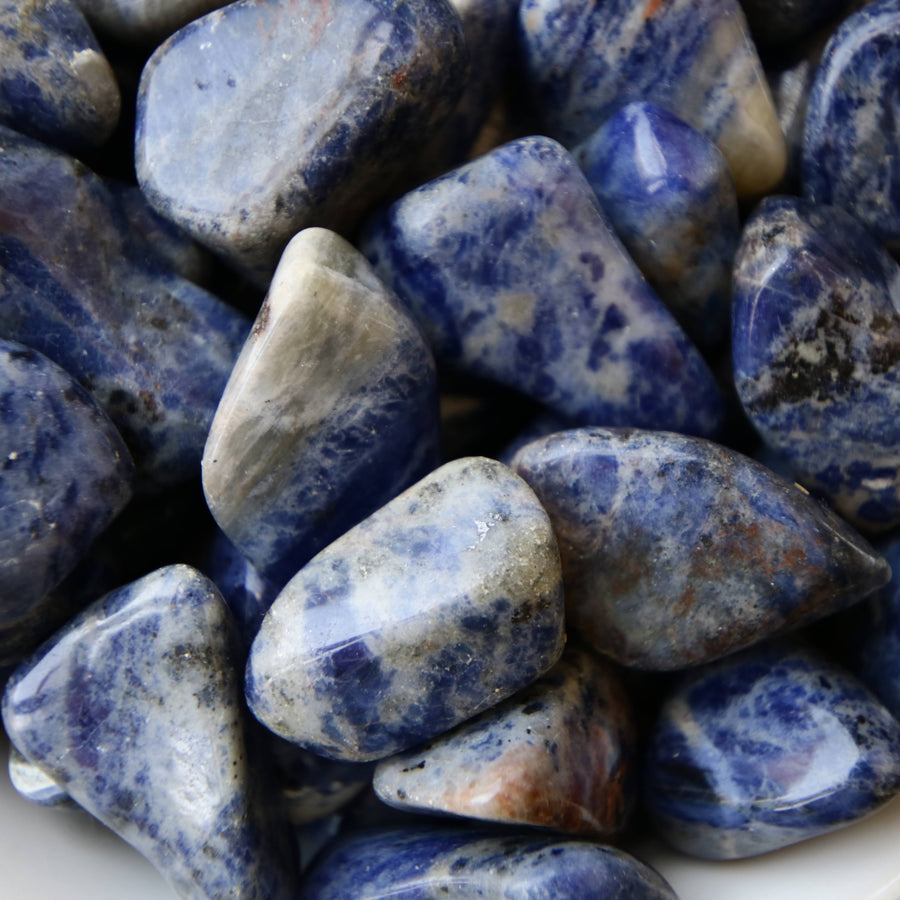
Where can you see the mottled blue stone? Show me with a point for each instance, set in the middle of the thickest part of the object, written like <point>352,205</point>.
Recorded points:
<point>677,551</point>
<point>765,749</point>
<point>850,154</point>
<point>670,196</point>
<point>55,83</point>
<point>153,349</point>
<point>134,710</point>
<point>441,604</point>
<point>145,22</point>
<point>816,353</point>
<point>514,275</point>
<point>779,22</point>
<point>265,117</point>
<point>423,863</point>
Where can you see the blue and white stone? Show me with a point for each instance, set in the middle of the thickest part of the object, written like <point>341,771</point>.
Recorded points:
<point>441,604</point>
<point>559,754</point>
<point>134,710</point>
<point>459,864</point>
<point>31,783</point>
<point>695,58</point>
<point>55,83</point>
<point>263,118</point>
<point>330,411</point>
<point>816,353</point>
<point>144,22</point>
<point>765,749</point>
<point>670,196</point>
<point>677,551</point>
<point>153,349</point>
<point>513,273</point>
<point>850,154</point>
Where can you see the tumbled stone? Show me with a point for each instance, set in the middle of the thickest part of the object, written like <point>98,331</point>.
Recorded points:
<point>768,748</point>
<point>816,351</point>
<point>439,605</point>
<point>134,710</point>
<point>559,754</point>
<point>55,83</point>
<point>670,196</point>
<point>456,863</point>
<point>153,349</point>
<point>676,551</point>
<point>331,409</point>
<point>513,273</point>
<point>693,57</point>
<point>263,118</point>
<point>31,783</point>
<point>850,158</point>
<point>144,21</point>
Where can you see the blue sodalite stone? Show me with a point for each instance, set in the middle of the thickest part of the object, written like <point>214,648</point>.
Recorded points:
<point>423,863</point>
<point>816,352</point>
<point>153,349</point>
<point>676,551</point>
<point>584,60</point>
<point>144,22</point>
<point>853,121</point>
<point>439,605</point>
<point>55,83</point>
<point>779,22</point>
<point>330,411</point>
<point>134,710</point>
<point>768,748</point>
<point>33,784</point>
<point>263,118</point>
<point>670,196</point>
<point>559,754</point>
<point>513,273</point>
<point>64,476</point>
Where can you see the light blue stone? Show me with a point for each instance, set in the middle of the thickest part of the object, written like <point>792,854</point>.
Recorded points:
<point>31,783</point>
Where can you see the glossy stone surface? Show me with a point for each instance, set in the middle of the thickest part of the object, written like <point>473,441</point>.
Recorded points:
<point>143,21</point>
<point>331,409</point>
<point>262,118</point>
<point>693,57</point>
<point>816,351</point>
<point>153,349</point>
<point>853,121</point>
<point>460,864</point>
<point>134,710</point>
<point>670,196</point>
<point>559,754</point>
<point>514,275</point>
<point>768,748</point>
<point>677,551</point>
<point>55,83</point>
<point>31,783</point>
<point>439,605</point>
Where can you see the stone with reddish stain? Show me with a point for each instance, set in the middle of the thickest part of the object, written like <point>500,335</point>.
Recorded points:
<point>677,551</point>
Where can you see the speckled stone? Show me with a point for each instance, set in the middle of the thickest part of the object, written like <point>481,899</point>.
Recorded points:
<point>670,196</point>
<point>816,351</point>
<point>768,748</point>
<point>134,710</point>
<point>850,154</point>
<point>31,783</point>
<point>559,754</point>
<point>153,349</point>
<point>55,83</point>
<point>514,275</point>
<point>460,864</point>
<point>331,409</point>
<point>265,117</point>
<point>693,57</point>
<point>677,551</point>
<point>143,21</point>
<point>441,604</point>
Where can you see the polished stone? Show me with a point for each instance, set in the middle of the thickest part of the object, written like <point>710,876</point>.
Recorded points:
<point>816,351</point>
<point>514,275</point>
<point>134,710</point>
<point>265,117</point>
<point>768,748</point>
<point>330,411</point>
<point>439,605</point>
<point>33,784</point>
<point>783,22</point>
<point>143,21</point>
<point>559,754</point>
<point>670,196</point>
<point>693,57</point>
<point>677,551</point>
